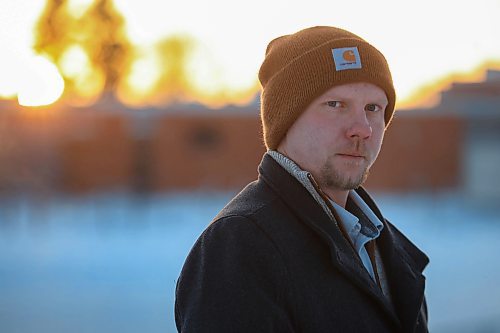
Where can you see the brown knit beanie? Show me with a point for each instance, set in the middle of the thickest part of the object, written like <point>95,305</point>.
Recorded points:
<point>300,67</point>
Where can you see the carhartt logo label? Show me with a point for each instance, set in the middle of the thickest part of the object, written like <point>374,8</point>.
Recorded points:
<point>346,58</point>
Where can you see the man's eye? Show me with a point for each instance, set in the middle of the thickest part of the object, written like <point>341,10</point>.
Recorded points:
<point>372,107</point>
<point>334,104</point>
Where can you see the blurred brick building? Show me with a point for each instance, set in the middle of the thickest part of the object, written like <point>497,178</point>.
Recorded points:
<point>454,146</point>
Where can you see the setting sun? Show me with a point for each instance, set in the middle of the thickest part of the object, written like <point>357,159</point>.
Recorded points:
<point>39,83</point>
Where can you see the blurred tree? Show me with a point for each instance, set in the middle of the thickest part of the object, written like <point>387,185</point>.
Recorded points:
<point>162,74</point>
<point>91,50</point>
<point>107,44</point>
<point>95,57</point>
<point>173,84</point>
<point>51,30</point>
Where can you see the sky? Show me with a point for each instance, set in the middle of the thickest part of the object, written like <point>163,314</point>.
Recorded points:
<point>423,41</point>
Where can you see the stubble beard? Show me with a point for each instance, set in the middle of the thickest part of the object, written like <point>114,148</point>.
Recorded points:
<point>332,178</point>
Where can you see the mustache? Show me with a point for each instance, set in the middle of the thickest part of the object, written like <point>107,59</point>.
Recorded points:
<point>356,148</point>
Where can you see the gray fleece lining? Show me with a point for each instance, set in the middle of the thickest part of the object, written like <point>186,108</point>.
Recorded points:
<point>302,176</point>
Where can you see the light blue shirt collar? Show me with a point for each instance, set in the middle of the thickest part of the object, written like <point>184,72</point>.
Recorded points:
<point>359,232</point>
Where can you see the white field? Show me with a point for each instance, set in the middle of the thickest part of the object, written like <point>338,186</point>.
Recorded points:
<point>109,263</point>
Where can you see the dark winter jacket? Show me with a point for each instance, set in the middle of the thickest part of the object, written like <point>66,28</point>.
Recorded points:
<point>272,261</point>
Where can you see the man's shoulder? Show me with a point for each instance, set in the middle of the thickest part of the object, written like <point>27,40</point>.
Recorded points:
<point>245,224</point>
<point>254,198</point>
<point>261,206</point>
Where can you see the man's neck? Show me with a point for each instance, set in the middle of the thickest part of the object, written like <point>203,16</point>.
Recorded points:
<point>338,196</point>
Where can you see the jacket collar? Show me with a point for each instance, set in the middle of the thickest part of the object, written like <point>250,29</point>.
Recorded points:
<point>403,261</point>
<point>404,264</point>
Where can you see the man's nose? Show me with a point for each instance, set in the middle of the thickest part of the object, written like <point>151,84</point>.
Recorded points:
<point>359,126</point>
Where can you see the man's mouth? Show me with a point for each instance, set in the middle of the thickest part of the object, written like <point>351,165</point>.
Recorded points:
<point>351,155</point>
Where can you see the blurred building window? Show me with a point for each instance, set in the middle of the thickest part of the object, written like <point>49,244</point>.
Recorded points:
<point>205,139</point>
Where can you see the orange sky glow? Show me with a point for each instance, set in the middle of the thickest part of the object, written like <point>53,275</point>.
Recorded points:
<point>428,45</point>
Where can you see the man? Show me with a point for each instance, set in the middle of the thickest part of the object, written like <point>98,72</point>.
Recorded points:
<point>304,248</point>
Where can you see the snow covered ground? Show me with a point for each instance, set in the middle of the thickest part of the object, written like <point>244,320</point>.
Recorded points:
<point>109,263</point>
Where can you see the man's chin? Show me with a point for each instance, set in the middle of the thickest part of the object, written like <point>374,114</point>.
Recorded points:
<point>343,177</point>
<point>350,182</point>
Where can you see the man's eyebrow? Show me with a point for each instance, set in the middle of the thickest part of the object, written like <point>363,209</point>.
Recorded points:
<point>378,100</point>
<point>381,100</point>
<point>331,96</point>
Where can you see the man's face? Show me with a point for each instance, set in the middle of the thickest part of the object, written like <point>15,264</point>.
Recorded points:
<point>338,137</point>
